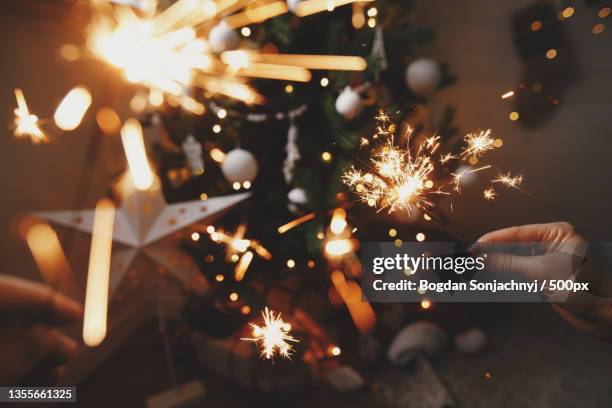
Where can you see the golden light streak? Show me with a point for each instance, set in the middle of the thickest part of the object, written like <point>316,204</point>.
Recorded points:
<point>294,223</point>
<point>72,108</point>
<point>49,255</point>
<point>333,62</point>
<point>273,337</point>
<point>133,144</point>
<point>242,266</point>
<point>96,293</point>
<point>308,7</point>
<point>257,14</point>
<point>507,95</point>
<point>26,124</point>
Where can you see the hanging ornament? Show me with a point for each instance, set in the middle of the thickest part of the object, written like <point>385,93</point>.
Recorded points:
<point>193,153</point>
<point>239,166</point>
<point>423,76</point>
<point>298,200</point>
<point>223,38</point>
<point>293,152</point>
<point>292,5</point>
<point>378,55</point>
<point>348,103</point>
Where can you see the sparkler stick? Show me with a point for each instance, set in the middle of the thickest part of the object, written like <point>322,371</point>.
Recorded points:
<point>96,294</point>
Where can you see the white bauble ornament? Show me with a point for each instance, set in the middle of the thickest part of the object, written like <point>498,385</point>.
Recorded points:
<point>222,38</point>
<point>292,5</point>
<point>423,76</point>
<point>414,339</point>
<point>348,103</point>
<point>297,196</point>
<point>471,341</point>
<point>239,166</point>
<point>298,200</point>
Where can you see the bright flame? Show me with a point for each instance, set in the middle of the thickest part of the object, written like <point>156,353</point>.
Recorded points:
<point>96,293</point>
<point>273,337</point>
<point>133,144</point>
<point>72,108</point>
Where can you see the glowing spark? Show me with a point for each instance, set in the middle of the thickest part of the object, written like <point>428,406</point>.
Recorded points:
<point>399,182</point>
<point>458,176</point>
<point>26,124</point>
<point>508,180</point>
<point>445,158</point>
<point>489,194</point>
<point>507,95</point>
<point>478,143</point>
<point>273,337</point>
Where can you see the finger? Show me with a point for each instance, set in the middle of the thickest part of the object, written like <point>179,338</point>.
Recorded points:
<point>53,344</point>
<point>551,232</point>
<point>25,299</point>
<point>528,267</point>
<point>550,266</point>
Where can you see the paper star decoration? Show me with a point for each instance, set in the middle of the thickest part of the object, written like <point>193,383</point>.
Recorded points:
<point>145,223</point>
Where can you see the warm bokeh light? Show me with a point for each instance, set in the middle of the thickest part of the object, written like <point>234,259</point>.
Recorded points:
<point>72,108</point>
<point>96,292</point>
<point>49,255</point>
<point>133,144</point>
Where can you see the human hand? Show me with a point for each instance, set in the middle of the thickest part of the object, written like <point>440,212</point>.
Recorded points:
<point>28,340</point>
<point>558,252</point>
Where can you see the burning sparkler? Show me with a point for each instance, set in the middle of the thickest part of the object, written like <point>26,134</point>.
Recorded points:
<point>172,50</point>
<point>403,178</point>
<point>27,124</point>
<point>478,143</point>
<point>273,337</point>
